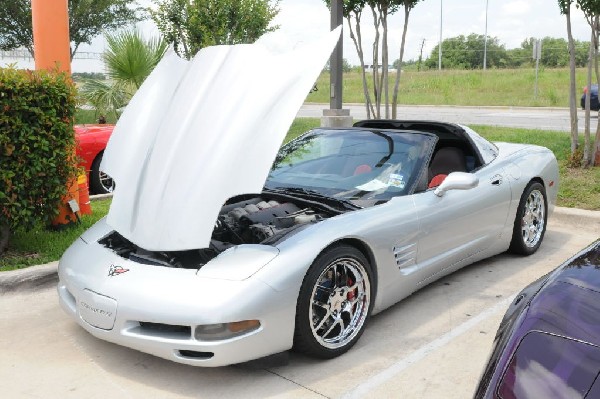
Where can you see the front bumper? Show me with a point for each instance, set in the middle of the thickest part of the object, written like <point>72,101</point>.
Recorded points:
<point>157,309</point>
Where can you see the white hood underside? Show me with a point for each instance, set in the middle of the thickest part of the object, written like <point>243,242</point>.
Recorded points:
<point>200,132</point>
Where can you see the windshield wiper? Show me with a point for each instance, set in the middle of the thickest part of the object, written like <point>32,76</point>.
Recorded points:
<point>313,194</point>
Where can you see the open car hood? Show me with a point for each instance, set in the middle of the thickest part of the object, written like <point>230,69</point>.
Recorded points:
<point>200,132</point>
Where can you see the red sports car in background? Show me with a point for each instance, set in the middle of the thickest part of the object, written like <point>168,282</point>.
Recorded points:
<point>91,142</point>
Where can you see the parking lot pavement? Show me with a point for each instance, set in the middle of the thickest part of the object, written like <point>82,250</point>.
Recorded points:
<point>434,344</point>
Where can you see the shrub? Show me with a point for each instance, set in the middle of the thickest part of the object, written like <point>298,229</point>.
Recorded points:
<point>37,147</point>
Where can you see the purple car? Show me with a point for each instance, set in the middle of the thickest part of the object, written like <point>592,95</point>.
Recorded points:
<point>548,343</point>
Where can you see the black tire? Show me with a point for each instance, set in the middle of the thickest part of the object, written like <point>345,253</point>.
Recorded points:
<point>531,220</point>
<point>334,303</point>
<point>100,183</point>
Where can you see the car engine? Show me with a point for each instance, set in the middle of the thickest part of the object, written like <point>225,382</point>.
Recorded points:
<point>250,220</point>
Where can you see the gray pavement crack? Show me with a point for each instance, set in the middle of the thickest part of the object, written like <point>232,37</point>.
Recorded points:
<point>295,383</point>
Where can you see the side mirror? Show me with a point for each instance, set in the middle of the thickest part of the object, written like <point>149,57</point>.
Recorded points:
<point>457,181</point>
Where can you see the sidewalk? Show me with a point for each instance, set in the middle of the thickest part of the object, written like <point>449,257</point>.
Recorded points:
<point>34,277</point>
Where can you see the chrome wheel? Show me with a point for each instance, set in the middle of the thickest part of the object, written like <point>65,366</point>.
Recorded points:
<point>340,301</point>
<point>106,182</point>
<point>530,221</point>
<point>533,221</point>
<point>100,182</point>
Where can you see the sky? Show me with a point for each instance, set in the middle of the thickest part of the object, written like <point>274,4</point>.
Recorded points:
<point>511,21</point>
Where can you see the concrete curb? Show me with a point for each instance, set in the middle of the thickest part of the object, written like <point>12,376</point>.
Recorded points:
<point>96,197</point>
<point>576,217</point>
<point>35,277</point>
<point>30,278</point>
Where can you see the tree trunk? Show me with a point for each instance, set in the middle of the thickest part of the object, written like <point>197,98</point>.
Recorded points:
<point>376,87</point>
<point>385,62</point>
<point>595,155</point>
<point>357,40</point>
<point>572,88</point>
<point>4,236</point>
<point>586,146</point>
<point>399,70</point>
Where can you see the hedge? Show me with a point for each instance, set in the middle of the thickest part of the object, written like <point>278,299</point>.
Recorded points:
<point>37,146</point>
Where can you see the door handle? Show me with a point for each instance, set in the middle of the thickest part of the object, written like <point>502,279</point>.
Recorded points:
<point>496,180</point>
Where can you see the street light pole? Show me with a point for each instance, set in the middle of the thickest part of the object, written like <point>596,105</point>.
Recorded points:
<point>335,116</point>
<point>440,44</point>
<point>337,58</point>
<point>486,37</point>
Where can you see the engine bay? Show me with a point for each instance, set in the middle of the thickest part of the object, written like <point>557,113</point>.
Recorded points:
<point>264,219</point>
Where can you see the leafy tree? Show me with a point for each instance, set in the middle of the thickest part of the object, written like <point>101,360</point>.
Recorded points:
<point>555,53</point>
<point>193,24</point>
<point>129,59</point>
<point>87,19</point>
<point>15,25</point>
<point>466,52</point>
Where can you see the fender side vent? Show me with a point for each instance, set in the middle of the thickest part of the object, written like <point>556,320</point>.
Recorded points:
<point>405,255</point>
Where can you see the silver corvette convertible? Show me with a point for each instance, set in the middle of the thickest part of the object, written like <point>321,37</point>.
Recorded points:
<point>343,224</point>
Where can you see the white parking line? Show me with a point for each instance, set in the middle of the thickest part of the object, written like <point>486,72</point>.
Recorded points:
<point>373,382</point>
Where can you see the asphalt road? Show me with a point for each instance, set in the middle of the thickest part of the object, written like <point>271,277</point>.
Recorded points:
<point>525,117</point>
<point>432,345</point>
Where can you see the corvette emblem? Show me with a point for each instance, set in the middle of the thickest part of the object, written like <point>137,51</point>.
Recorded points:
<point>116,270</point>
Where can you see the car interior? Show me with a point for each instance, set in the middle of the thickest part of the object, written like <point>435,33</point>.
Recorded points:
<point>453,151</point>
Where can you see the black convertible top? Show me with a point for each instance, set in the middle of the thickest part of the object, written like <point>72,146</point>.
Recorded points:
<point>441,129</point>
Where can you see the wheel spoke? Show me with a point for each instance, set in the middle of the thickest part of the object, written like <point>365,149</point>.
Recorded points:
<point>325,318</point>
<point>331,327</point>
<point>321,305</point>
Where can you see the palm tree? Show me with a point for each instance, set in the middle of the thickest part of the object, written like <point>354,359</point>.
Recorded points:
<point>129,59</point>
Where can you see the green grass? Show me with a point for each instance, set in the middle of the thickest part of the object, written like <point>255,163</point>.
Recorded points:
<point>578,188</point>
<point>42,245</point>
<point>502,87</point>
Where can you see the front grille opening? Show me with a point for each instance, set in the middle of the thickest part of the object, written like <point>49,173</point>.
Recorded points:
<point>165,330</point>
<point>192,259</point>
<point>196,355</point>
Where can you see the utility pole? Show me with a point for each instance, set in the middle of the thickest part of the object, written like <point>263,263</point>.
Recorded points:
<point>420,55</point>
<point>537,54</point>
<point>335,116</point>
<point>440,44</point>
<point>337,58</point>
<point>486,37</point>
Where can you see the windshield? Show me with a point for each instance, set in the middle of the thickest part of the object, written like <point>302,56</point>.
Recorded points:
<point>352,164</point>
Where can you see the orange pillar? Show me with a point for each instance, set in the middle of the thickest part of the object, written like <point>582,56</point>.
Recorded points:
<point>52,50</point>
<point>51,34</point>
